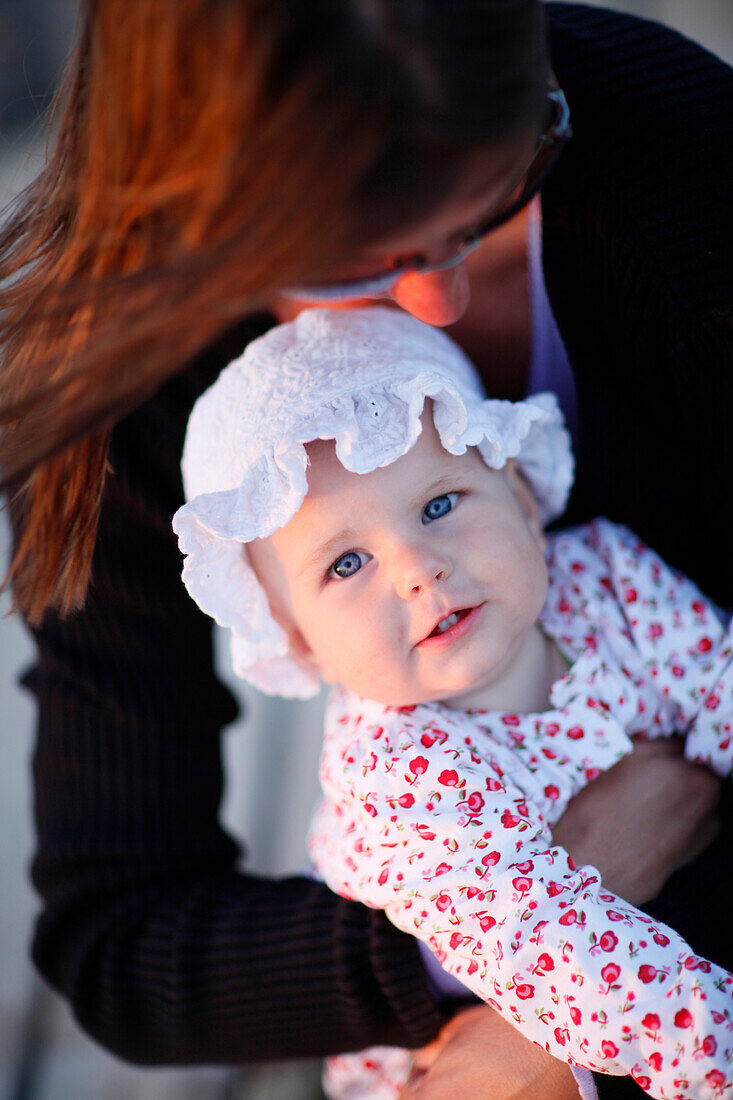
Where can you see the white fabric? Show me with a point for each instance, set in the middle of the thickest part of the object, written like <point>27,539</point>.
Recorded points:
<point>443,818</point>
<point>361,378</point>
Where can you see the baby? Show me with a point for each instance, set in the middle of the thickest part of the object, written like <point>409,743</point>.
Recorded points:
<point>359,513</point>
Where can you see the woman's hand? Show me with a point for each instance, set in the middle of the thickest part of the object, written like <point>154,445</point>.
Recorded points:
<point>641,820</point>
<point>479,1054</point>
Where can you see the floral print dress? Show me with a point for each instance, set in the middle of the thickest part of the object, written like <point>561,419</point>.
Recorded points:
<point>443,819</point>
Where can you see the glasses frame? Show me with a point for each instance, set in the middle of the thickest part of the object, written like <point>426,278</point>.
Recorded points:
<point>549,145</point>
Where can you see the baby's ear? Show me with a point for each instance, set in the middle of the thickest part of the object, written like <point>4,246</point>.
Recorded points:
<point>527,501</point>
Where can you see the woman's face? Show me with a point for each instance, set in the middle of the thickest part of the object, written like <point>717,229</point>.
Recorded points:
<point>436,297</point>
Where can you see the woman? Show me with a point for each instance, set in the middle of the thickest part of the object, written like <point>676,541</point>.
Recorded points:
<point>210,155</point>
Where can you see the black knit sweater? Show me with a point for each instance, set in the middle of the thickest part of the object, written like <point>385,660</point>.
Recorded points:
<point>166,952</point>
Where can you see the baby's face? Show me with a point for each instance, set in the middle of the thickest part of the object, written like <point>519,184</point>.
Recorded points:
<point>418,581</point>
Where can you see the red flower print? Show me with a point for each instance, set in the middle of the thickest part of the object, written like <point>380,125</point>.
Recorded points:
<point>443,901</point>
<point>642,1080</point>
<point>522,884</point>
<point>424,832</point>
<point>562,1035</point>
<point>655,1060</point>
<point>712,702</point>
<point>609,1049</point>
<point>525,867</point>
<point>442,868</point>
<point>554,888</point>
<point>678,671</point>
<point>552,792</point>
<point>510,719</point>
<point>563,606</point>
<point>647,973</point>
<point>508,820</point>
<point>550,754</point>
<point>611,973</point>
<point>683,1018</point>
<point>524,990</point>
<point>494,785</point>
<point>430,737</point>
<point>651,1022</point>
<point>570,917</point>
<point>475,802</point>
<point>552,729</point>
<point>698,607</point>
<point>709,1046</point>
<point>608,941</point>
<point>486,921</point>
<point>656,630</point>
<point>418,766</point>
<point>472,966</point>
<point>491,859</point>
<point>575,733</point>
<point>630,595</point>
<point>448,778</point>
<point>370,809</point>
<point>456,940</point>
<point>704,645</point>
<point>716,1078</point>
<point>545,962</point>
<point>383,876</point>
<point>406,800</point>
<point>661,939</point>
<point>576,1015</point>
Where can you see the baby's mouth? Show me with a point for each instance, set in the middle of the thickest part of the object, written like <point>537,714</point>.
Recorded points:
<point>449,621</point>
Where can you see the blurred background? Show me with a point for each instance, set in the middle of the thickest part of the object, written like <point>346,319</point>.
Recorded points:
<point>42,1054</point>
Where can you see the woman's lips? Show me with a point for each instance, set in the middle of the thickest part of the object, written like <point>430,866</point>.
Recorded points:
<point>459,622</point>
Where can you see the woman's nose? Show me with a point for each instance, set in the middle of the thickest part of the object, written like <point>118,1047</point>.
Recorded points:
<point>417,571</point>
<point>436,297</point>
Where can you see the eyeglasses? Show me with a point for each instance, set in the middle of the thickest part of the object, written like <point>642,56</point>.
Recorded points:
<point>549,145</point>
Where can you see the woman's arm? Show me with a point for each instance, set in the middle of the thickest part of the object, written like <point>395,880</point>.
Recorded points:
<point>166,953</point>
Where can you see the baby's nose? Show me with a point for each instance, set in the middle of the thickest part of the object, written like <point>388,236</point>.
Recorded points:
<point>417,571</point>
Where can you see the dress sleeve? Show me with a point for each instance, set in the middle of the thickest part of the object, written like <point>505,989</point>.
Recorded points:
<point>166,952</point>
<point>684,647</point>
<point>418,824</point>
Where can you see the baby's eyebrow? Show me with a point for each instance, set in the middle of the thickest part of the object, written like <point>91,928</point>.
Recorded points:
<point>443,484</point>
<point>327,549</point>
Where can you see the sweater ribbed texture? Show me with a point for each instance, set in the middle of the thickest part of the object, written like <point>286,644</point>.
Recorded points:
<point>166,951</point>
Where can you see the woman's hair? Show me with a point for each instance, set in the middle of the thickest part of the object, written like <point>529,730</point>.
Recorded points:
<point>207,153</point>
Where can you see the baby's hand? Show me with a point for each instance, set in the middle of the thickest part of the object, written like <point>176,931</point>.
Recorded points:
<point>643,819</point>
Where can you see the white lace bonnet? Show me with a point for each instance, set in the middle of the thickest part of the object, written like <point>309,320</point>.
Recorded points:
<point>359,377</point>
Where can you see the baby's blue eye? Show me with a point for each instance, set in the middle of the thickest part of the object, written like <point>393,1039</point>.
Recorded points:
<point>348,564</point>
<point>439,507</point>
